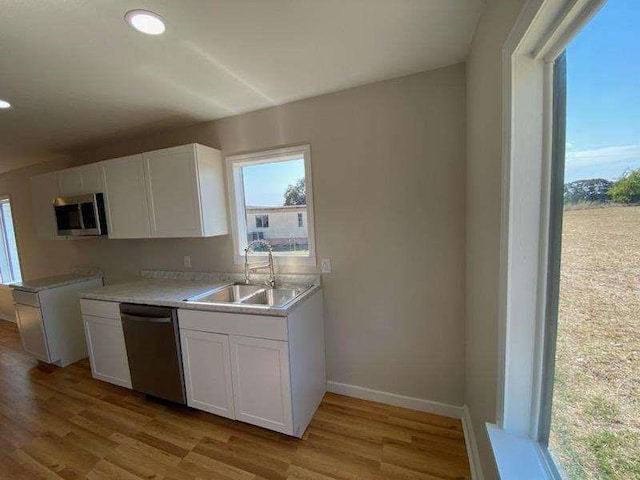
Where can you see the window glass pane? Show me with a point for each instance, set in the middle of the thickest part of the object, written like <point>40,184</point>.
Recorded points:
<point>9,261</point>
<point>276,206</point>
<point>595,422</point>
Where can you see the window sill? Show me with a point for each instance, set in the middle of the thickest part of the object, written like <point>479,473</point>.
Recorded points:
<point>518,458</point>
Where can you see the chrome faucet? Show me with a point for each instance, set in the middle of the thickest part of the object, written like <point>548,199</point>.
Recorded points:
<point>259,266</point>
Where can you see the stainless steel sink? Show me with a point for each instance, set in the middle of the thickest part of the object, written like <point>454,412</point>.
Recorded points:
<point>273,297</point>
<point>229,294</point>
<point>249,295</point>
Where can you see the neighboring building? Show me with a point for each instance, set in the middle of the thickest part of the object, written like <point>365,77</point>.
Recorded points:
<point>285,228</point>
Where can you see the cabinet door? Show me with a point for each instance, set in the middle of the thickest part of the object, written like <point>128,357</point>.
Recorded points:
<point>207,372</point>
<point>107,350</point>
<point>32,332</point>
<point>44,190</point>
<point>172,189</point>
<point>70,182</point>
<point>91,178</point>
<point>126,197</point>
<point>80,180</point>
<point>261,384</point>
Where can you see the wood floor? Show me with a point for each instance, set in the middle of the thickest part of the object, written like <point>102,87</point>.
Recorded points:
<point>60,423</point>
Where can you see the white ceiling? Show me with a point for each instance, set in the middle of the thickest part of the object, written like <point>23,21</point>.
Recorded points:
<point>78,75</point>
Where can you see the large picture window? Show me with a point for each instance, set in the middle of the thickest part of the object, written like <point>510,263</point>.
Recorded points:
<point>272,200</point>
<point>9,261</point>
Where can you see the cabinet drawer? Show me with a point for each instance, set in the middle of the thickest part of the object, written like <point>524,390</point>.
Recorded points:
<point>260,326</point>
<point>26,298</point>
<point>98,308</point>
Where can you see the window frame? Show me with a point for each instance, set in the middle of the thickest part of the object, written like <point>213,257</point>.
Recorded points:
<point>3,240</point>
<point>234,164</point>
<point>520,437</point>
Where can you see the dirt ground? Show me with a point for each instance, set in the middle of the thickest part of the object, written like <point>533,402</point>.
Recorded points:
<point>596,404</point>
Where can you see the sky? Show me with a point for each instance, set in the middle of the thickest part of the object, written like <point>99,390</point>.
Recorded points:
<point>265,184</point>
<point>603,94</point>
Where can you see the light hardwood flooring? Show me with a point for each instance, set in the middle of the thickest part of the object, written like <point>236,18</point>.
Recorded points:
<point>60,423</point>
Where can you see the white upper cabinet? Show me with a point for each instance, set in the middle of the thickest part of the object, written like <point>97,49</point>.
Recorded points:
<point>69,182</point>
<point>185,192</point>
<point>80,180</point>
<point>173,192</point>
<point>126,197</point>
<point>91,178</point>
<point>44,190</point>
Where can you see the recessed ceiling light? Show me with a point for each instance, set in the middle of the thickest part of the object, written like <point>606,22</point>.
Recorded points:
<point>145,21</point>
<point>4,104</point>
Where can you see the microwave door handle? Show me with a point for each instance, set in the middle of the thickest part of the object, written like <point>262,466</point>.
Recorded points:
<point>96,214</point>
<point>80,216</point>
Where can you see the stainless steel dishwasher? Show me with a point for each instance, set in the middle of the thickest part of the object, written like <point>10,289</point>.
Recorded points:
<point>153,347</point>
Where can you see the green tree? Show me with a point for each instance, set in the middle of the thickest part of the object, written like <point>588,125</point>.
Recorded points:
<point>591,190</point>
<point>627,188</point>
<point>296,193</point>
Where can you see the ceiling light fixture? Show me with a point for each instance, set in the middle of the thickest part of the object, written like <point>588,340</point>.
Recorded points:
<point>4,104</point>
<point>145,21</point>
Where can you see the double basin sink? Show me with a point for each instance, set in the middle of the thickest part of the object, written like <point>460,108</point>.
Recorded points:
<point>250,295</point>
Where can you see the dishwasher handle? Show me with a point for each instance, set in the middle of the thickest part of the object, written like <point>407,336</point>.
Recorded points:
<point>143,318</point>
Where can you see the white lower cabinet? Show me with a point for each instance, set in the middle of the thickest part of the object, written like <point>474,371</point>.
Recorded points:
<point>50,322</point>
<point>32,332</point>
<point>261,382</point>
<point>207,372</point>
<point>107,350</point>
<point>264,370</point>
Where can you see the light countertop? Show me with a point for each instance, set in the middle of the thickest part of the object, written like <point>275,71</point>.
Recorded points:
<point>45,283</point>
<point>172,292</point>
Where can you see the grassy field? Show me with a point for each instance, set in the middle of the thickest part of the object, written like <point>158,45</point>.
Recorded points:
<point>596,405</point>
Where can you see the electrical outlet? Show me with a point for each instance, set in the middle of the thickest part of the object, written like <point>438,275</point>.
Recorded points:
<point>187,261</point>
<point>325,266</point>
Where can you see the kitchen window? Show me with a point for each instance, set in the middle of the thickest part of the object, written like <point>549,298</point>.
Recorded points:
<point>9,260</point>
<point>271,194</point>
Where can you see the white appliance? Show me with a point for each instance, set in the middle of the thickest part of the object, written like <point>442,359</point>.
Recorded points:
<point>49,318</point>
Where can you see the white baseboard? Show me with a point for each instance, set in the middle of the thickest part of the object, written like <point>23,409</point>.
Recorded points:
<point>396,400</point>
<point>472,445</point>
<point>420,405</point>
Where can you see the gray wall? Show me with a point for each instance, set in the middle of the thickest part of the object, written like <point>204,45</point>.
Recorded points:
<point>483,216</point>
<point>388,171</point>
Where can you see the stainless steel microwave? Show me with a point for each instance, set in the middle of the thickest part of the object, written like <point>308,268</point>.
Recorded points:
<point>81,215</point>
